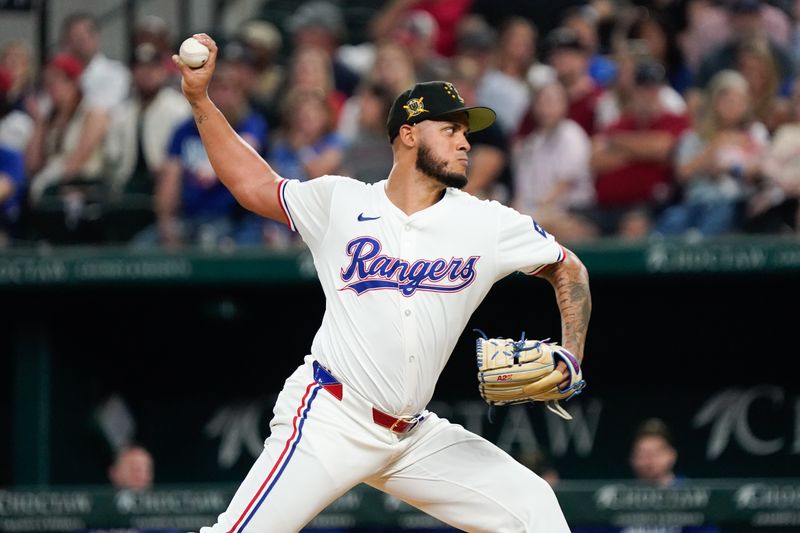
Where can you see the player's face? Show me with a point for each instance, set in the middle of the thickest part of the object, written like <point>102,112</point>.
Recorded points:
<point>442,151</point>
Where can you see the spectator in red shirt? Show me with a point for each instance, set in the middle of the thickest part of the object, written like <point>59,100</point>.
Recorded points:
<point>631,160</point>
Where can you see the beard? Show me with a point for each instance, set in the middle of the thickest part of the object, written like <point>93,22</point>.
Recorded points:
<point>430,166</point>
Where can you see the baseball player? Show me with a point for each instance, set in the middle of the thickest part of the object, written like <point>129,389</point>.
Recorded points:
<point>403,263</point>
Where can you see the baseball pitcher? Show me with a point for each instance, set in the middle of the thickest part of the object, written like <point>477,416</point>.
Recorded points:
<point>403,264</point>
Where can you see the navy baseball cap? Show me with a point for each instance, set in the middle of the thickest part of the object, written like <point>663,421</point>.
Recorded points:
<point>433,100</point>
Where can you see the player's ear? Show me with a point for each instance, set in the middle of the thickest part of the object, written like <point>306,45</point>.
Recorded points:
<point>408,135</point>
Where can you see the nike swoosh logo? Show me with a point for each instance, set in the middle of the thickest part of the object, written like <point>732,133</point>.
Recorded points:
<point>362,218</point>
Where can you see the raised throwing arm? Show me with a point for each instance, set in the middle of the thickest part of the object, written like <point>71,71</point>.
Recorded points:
<point>241,169</point>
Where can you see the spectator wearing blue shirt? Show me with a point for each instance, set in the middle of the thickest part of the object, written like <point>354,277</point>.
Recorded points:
<point>652,460</point>
<point>12,191</point>
<point>307,145</point>
<point>653,454</point>
<point>192,205</point>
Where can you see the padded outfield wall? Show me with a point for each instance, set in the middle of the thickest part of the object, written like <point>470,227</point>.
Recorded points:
<point>197,345</point>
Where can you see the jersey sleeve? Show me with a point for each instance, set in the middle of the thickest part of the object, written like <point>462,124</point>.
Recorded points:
<point>522,245</point>
<point>307,205</point>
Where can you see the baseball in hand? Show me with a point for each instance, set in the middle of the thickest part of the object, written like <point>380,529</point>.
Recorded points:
<point>193,53</point>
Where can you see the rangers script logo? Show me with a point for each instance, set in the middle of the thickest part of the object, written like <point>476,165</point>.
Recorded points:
<point>370,270</point>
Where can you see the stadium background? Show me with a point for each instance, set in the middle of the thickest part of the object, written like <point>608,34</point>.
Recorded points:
<point>702,335</point>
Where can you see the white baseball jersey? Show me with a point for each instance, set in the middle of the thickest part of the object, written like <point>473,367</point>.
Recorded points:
<point>400,288</point>
<point>399,291</point>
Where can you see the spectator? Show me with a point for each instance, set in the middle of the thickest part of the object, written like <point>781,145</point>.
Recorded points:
<point>653,454</point>
<point>264,43</point>
<point>446,13</point>
<point>136,145</point>
<point>617,99</point>
<point>711,24</point>
<point>64,157</point>
<point>416,31</point>
<point>320,24</point>
<point>368,157</point>
<point>306,144</point>
<point>717,162</point>
<point>758,67</point>
<point>632,159</point>
<point>552,177</point>
<point>746,24</point>
<point>192,205</point>
<point>652,459</point>
<point>391,69</point>
<point>243,63</point>
<point>775,208</point>
<point>570,59</point>
<point>105,82</point>
<point>16,57</point>
<point>583,21</point>
<point>16,126</point>
<point>310,69</point>
<point>12,192</point>
<point>658,33</point>
<point>506,81</point>
<point>546,15</point>
<point>132,469</point>
<point>477,42</point>
<point>488,175</point>
<point>154,30</point>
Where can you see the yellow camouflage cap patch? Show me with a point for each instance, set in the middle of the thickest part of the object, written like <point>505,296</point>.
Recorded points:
<point>451,90</point>
<point>415,107</point>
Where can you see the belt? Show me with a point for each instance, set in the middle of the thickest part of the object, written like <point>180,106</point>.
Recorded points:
<point>395,425</point>
<point>399,425</point>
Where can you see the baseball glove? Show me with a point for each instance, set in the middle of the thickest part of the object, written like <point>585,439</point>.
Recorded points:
<point>511,372</point>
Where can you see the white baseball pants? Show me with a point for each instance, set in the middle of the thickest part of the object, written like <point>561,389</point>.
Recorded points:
<point>321,446</point>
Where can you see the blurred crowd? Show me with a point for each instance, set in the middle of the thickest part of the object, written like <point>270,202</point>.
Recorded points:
<point>615,118</point>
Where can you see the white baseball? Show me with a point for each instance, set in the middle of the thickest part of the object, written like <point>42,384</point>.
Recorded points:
<point>193,53</point>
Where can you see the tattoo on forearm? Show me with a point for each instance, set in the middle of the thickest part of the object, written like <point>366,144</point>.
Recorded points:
<point>202,118</point>
<point>575,303</point>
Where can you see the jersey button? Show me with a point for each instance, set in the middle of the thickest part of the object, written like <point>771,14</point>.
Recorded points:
<point>407,312</point>
<point>411,359</point>
<point>408,228</point>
